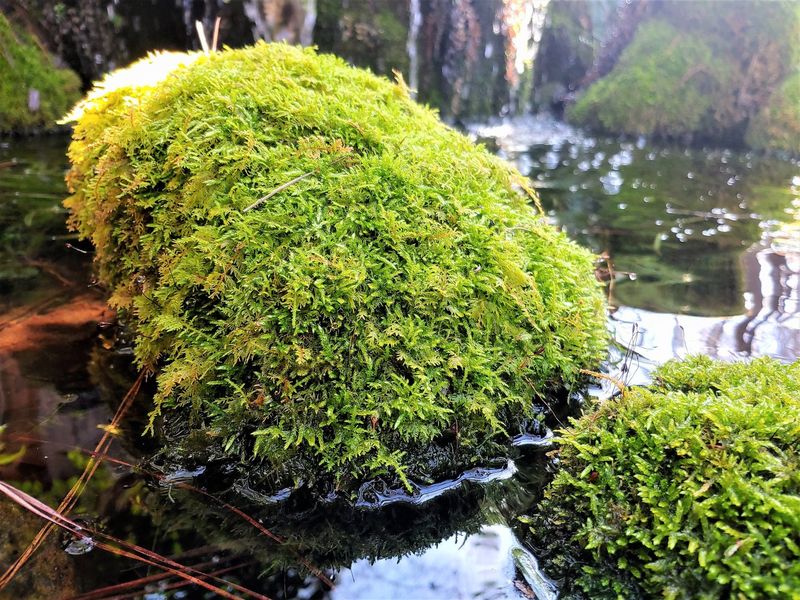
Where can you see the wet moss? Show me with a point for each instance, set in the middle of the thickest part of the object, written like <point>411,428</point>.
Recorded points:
<point>317,268</point>
<point>34,92</point>
<point>687,489</point>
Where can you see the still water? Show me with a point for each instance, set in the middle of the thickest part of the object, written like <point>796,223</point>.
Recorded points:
<point>696,260</point>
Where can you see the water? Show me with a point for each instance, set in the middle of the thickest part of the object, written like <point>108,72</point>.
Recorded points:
<point>694,264</point>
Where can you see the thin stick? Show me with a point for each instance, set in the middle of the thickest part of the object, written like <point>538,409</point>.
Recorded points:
<point>201,33</point>
<point>614,380</point>
<point>277,190</point>
<point>124,548</point>
<point>72,496</point>
<point>215,38</point>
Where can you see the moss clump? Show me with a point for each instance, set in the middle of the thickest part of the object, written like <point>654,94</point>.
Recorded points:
<point>664,84</point>
<point>687,489</point>
<point>699,70</point>
<point>33,91</point>
<point>392,287</point>
<point>777,126</point>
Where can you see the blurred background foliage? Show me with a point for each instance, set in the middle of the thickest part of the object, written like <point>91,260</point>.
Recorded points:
<point>697,72</point>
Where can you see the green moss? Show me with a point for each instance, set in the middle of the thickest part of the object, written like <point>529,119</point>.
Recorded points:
<point>664,84</point>
<point>698,70</point>
<point>26,68</point>
<point>687,489</point>
<point>393,288</point>
<point>777,126</point>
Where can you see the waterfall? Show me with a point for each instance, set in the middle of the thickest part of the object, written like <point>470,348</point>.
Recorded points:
<point>309,20</point>
<point>414,25</point>
<point>524,22</point>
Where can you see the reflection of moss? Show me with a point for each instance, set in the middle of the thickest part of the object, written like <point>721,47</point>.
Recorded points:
<point>777,126</point>
<point>398,293</point>
<point>33,92</point>
<point>686,489</point>
<point>331,534</point>
<point>665,83</point>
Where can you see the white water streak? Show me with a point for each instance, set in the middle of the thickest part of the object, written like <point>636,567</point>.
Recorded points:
<point>414,25</point>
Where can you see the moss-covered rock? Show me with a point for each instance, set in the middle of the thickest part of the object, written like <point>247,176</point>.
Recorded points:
<point>34,93</point>
<point>317,267</point>
<point>777,126</point>
<point>700,71</point>
<point>664,84</point>
<point>687,489</point>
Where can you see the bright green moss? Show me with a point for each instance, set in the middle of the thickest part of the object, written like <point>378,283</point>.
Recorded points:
<point>665,84</point>
<point>393,287</point>
<point>26,69</point>
<point>687,489</point>
<point>777,126</point>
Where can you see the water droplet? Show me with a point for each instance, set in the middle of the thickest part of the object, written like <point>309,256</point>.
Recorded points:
<point>82,545</point>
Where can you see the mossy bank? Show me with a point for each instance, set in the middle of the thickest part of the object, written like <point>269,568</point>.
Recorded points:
<point>687,489</point>
<point>703,72</point>
<point>317,269</point>
<point>34,92</point>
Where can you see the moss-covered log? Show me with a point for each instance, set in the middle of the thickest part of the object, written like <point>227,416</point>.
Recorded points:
<point>316,266</point>
<point>687,489</point>
<point>34,92</point>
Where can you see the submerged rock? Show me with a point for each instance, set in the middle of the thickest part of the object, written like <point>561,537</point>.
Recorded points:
<point>34,92</point>
<point>318,270</point>
<point>687,489</point>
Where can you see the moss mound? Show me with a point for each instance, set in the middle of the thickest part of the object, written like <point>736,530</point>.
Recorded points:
<point>654,89</point>
<point>317,267</point>
<point>688,489</point>
<point>33,91</point>
<point>777,126</point>
<point>698,70</point>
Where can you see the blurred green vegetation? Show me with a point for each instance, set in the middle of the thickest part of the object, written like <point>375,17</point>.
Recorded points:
<point>701,71</point>
<point>34,92</point>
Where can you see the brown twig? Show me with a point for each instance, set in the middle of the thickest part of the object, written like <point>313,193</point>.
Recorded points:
<point>620,386</point>
<point>74,493</point>
<point>277,190</point>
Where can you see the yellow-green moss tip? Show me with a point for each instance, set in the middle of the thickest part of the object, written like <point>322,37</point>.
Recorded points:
<point>318,267</point>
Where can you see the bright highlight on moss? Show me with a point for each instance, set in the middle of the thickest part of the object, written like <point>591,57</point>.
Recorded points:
<point>687,489</point>
<point>318,269</point>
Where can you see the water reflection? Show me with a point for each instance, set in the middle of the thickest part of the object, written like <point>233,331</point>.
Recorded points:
<point>678,219</point>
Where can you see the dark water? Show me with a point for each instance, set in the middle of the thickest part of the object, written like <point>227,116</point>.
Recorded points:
<point>699,265</point>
